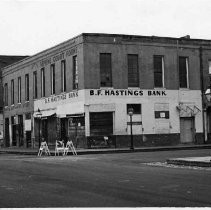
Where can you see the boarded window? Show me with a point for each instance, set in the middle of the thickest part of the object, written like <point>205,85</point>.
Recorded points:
<point>183,72</point>
<point>133,75</point>
<point>6,94</point>
<point>101,123</point>
<point>34,84</point>
<point>75,72</point>
<point>52,79</point>
<point>42,82</point>
<point>27,87</point>
<point>63,76</point>
<point>158,71</point>
<point>12,91</point>
<point>105,70</point>
<point>162,110</point>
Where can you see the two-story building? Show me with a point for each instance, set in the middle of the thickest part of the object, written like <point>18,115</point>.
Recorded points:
<point>82,89</point>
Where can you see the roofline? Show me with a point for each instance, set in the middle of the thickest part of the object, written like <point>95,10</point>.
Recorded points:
<point>107,35</point>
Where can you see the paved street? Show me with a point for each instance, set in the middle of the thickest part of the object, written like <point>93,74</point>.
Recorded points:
<point>139,179</point>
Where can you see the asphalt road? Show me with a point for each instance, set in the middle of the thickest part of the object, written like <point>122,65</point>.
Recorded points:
<point>139,179</point>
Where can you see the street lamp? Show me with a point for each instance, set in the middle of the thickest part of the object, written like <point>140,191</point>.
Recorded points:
<point>39,115</point>
<point>130,112</point>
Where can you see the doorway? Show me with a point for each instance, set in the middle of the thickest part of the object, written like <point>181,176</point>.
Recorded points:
<point>7,133</point>
<point>187,130</point>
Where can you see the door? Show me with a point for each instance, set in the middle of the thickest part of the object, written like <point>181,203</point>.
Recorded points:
<point>187,130</point>
<point>7,133</point>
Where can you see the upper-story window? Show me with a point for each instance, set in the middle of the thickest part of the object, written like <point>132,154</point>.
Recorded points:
<point>209,63</point>
<point>133,74</point>
<point>105,70</point>
<point>12,92</point>
<point>34,84</point>
<point>6,94</point>
<point>19,89</point>
<point>75,72</point>
<point>158,71</point>
<point>183,72</point>
<point>63,76</point>
<point>43,82</point>
<point>52,79</point>
<point>27,87</point>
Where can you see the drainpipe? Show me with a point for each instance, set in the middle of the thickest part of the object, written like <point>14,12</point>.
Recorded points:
<point>202,94</point>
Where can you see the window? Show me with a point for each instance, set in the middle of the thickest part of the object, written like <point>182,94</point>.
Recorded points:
<point>105,70</point>
<point>209,63</point>
<point>27,87</point>
<point>43,82</point>
<point>19,89</point>
<point>12,91</point>
<point>5,94</point>
<point>158,71</point>
<point>161,110</point>
<point>183,72</point>
<point>75,72</point>
<point>133,74</point>
<point>52,79</point>
<point>136,108</point>
<point>63,76</point>
<point>34,84</point>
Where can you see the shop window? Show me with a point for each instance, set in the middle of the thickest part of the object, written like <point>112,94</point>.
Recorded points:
<point>34,84</point>
<point>19,89</point>
<point>43,82</point>
<point>6,94</point>
<point>162,114</point>
<point>101,123</point>
<point>63,76</point>
<point>183,72</point>
<point>27,87</point>
<point>52,79</point>
<point>12,91</point>
<point>28,116</point>
<point>133,74</point>
<point>105,70</point>
<point>158,71</point>
<point>136,108</point>
<point>75,72</point>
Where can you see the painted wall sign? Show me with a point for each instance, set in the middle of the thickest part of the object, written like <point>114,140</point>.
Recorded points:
<point>126,92</point>
<point>58,57</point>
<point>17,106</point>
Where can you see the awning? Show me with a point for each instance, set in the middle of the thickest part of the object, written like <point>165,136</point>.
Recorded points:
<point>70,109</point>
<point>45,113</point>
<point>188,110</point>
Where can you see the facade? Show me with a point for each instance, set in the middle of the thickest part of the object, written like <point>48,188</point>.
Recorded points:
<point>82,89</point>
<point>5,60</point>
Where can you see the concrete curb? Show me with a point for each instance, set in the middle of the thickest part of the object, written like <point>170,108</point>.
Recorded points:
<point>109,150</point>
<point>189,163</point>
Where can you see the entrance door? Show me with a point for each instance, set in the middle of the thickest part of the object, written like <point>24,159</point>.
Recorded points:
<point>187,130</point>
<point>7,134</point>
<point>45,129</point>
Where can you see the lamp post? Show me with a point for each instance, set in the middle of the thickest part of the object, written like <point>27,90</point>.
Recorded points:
<point>130,112</point>
<point>39,115</point>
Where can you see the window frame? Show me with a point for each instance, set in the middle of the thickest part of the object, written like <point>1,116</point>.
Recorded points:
<point>131,70</point>
<point>42,82</point>
<point>35,85</point>
<point>156,71</point>
<point>19,89</point>
<point>63,76</point>
<point>106,70</point>
<point>186,73</point>
<point>75,72</point>
<point>12,92</point>
<point>6,94</point>
<point>27,87</point>
<point>53,79</point>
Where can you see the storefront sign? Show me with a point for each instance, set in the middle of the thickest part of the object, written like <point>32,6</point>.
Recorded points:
<point>17,106</point>
<point>61,97</point>
<point>126,92</point>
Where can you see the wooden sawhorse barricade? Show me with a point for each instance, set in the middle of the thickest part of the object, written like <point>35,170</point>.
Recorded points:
<point>69,146</point>
<point>43,148</point>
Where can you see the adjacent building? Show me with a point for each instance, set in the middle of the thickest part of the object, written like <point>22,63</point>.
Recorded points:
<point>82,89</point>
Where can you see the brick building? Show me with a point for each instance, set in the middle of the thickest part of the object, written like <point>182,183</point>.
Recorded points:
<point>5,60</point>
<point>82,89</point>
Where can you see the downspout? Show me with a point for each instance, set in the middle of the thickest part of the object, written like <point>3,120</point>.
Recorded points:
<point>202,93</point>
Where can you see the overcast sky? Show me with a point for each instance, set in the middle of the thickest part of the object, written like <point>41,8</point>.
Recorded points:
<point>28,27</point>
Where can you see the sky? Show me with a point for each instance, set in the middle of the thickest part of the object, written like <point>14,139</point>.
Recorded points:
<point>28,27</point>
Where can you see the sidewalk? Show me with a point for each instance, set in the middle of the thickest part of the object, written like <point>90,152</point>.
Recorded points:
<point>29,151</point>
